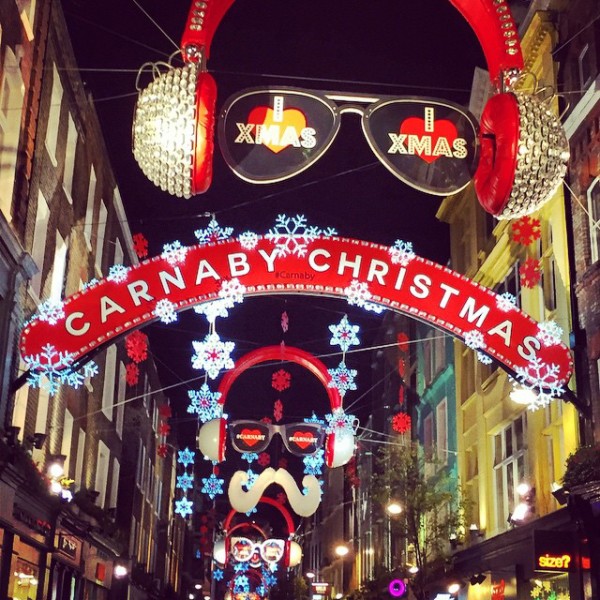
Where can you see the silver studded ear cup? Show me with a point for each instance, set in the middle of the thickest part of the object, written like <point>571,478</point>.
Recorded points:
<point>542,155</point>
<point>164,129</point>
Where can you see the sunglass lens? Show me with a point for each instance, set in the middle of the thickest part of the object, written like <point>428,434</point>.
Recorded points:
<point>250,436</point>
<point>303,439</point>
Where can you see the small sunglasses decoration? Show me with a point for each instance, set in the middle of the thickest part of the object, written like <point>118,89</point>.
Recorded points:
<point>301,439</point>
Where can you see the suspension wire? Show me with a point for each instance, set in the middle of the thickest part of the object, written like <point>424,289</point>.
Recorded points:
<point>156,24</point>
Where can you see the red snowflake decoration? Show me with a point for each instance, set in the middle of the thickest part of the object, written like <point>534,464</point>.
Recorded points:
<point>281,498</point>
<point>283,463</point>
<point>281,380</point>
<point>140,245</point>
<point>285,321</point>
<point>162,450</point>
<point>530,273</point>
<point>164,428</point>
<point>401,422</point>
<point>526,230</point>
<point>132,374</point>
<point>164,411</point>
<point>267,420</point>
<point>264,460</point>
<point>351,473</point>
<point>136,344</point>
<point>278,410</point>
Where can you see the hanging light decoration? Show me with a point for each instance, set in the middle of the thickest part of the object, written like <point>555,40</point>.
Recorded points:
<point>173,126</point>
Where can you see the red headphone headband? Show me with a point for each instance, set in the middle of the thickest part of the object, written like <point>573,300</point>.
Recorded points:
<point>291,529</point>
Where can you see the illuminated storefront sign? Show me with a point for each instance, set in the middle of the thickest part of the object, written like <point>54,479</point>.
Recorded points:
<point>420,288</point>
<point>268,135</point>
<point>397,588</point>
<point>555,552</point>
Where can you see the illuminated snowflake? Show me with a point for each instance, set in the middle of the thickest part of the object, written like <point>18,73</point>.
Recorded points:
<point>285,322</point>
<point>401,253</point>
<point>240,567</point>
<point>241,584</point>
<point>212,355</point>
<point>132,374</point>
<point>342,378</point>
<point>186,457</point>
<point>174,253</point>
<point>118,273</point>
<point>140,245</point>
<point>264,460</point>
<point>185,482</point>
<point>530,273</point>
<point>205,403</point>
<point>281,497</point>
<point>313,464</point>
<point>262,592</point>
<point>273,567</point>
<point>474,339</point>
<point>252,477</point>
<point>344,334</point>
<point>506,302</point>
<point>357,293</point>
<point>372,307</point>
<point>51,311</point>
<point>183,507</point>
<point>401,422</point>
<point>293,235</point>
<point>162,450</point>
<point>164,428</point>
<point>76,379</point>
<point>314,419</point>
<point>268,577</point>
<point>526,230</point>
<point>165,311</point>
<point>549,333</point>
<point>542,380</point>
<point>136,344</point>
<point>91,283</point>
<point>281,380</point>
<point>212,310</point>
<point>249,457</point>
<point>248,240</point>
<point>232,292</point>
<point>278,410</point>
<point>213,233</point>
<point>218,574</point>
<point>483,358</point>
<point>338,422</point>
<point>251,511</point>
<point>212,486</point>
<point>47,369</point>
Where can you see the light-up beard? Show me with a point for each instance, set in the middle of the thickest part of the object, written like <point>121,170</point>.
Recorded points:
<point>303,505</point>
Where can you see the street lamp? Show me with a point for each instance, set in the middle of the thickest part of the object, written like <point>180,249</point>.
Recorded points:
<point>310,575</point>
<point>393,508</point>
<point>342,550</point>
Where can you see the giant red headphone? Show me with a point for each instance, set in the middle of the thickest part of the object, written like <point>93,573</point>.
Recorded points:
<point>523,146</point>
<point>212,436</point>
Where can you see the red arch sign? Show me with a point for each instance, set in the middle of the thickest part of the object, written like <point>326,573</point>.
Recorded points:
<point>422,289</point>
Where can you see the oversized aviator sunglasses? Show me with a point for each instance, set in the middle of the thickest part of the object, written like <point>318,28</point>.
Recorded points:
<point>301,439</point>
<point>271,134</point>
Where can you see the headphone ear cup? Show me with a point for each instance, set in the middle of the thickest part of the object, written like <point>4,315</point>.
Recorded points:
<point>339,449</point>
<point>211,439</point>
<point>206,98</point>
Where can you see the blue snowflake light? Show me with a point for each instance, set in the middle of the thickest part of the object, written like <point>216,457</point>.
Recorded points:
<point>174,253</point>
<point>344,334</point>
<point>313,464</point>
<point>212,486</point>
<point>186,457</point>
<point>118,273</point>
<point>269,578</point>
<point>49,368</point>
<point>251,511</point>
<point>241,584</point>
<point>240,567</point>
<point>212,355</point>
<point>314,419</point>
<point>91,283</point>
<point>261,591</point>
<point>217,574</point>
<point>213,233</point>
<point>339,423</point>
<point>293,235</point>
<point>185,482</point>
<point>183,507</point>
<point>252,477</point>
<point>205,403</point>
<point>342,378</point>
<point>249,457</point>
<point>165,311</point>
<point>51,311</point>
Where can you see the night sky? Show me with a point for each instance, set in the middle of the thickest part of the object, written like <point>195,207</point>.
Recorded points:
<point>393,47</point>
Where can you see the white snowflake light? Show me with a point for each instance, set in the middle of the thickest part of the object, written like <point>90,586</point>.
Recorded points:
<point>344,334</point>
<point>357,293</point>
<point>205,403</point>
<point>232,291</point>
<point>118,273</point>
<point>338,422</point>
<point>549,333</point>
<point>474,339</point>
<point>213,233</point>
<point>248,240</point>
<point>212,355</point>
<point>183,507</point>
<point>293,235</point>
<point>186,457</point>
<point>372,307</point>
<point>342,378</point>
<point>506,301</point>
<point>185,482</point>
<point>401,253</point>
<point>483,358</point>
<point>541,381</point>
<point>174,253</point>
<point>212,310</point>
<point>49,368</point>
<point>313,463</point>
<point>212,486</point>
<point>51,311</point>
<point>165,311</point>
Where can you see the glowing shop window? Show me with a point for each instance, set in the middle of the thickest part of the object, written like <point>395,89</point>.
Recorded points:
<point>24,572</point>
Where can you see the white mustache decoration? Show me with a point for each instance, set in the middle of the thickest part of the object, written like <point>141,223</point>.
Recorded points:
<point>303,505</point>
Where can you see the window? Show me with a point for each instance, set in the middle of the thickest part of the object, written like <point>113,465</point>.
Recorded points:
<point>39,241</point>
<point>428,359</point>
<point>89,210</point>
<point>54,115</point>
<point>118,253</point>
<point>511,284</point>
<point>133,533</point>
<point>114,486</point>
<point>428,444</point>
<point>593,196</point>
<point>441,423</point>
<point>67,438</point>
<point>585,67</point>
<point>121,399</point>
<point>102,218</point>
<point>102,463</point>
<point>141,462</point>
<point>42,411</point>
<point>20,406</point>
<point>69,169</point>
<point>80,456</point>
<point>509,467</point>
<point>108,391</point>
<point>59,268</point>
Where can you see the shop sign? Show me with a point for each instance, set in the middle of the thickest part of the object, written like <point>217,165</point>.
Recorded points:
<point>396,588</point>
<point>68,545</point>
<point>270,134</point>
<point>320,587</point>
<point>420,289</point>
<point>554,551</point>
<point>498,590</point>
<point>34,523</point>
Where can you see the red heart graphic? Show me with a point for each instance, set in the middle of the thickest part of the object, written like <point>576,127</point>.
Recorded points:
<point>303,439</point>
<point>251,437</point>
<point>292,117</point>
<point>441,129</point>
